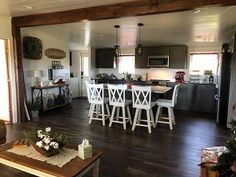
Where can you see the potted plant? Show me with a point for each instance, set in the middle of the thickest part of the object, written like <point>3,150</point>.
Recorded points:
<point>129,80</point>
<point>46,141</point>
<point>34,108</point>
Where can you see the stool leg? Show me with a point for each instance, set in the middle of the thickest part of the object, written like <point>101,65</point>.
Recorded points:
<point>173,116</point>
<point>170,118</point>
<point>97,110</point>
<point>112,115</point>
<point>152,118</point>
<point>129,115</point>
<point>148,121</point>
<point>90,110</point>
<point>91,114</point>
<point>135,119</point>
<point>117,113</point>
<point>158,114</point>
<point>103,115</point>
<point>108,110</point>
<point>124,120</point>
<point>139,115</point>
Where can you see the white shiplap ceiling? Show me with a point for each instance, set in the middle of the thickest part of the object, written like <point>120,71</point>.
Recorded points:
<point>211,27</point>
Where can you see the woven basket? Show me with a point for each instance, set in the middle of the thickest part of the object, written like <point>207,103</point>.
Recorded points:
<point>44,152</point>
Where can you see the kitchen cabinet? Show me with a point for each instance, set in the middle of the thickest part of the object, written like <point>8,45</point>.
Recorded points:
<point>162,50</point>
<point>196,97</point>
<point>178,57</point>
<point>105,58</point>
<point>141,61</point>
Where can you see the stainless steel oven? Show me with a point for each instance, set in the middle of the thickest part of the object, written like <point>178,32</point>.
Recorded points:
<point>158,61</point>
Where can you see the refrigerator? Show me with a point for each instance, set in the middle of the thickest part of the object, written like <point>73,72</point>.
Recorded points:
<point>224,85</point>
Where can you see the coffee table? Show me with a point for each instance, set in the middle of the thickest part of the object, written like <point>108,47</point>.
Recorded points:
<point>76,167</point>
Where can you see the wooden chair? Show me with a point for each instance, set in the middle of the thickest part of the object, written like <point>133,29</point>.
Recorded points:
<point>117,100</point>
<point>169,104</point>
<point>141,96</point>
<point>97,100</point>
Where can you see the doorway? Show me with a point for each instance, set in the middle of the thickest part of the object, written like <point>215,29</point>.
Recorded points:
<point>84,73</point>
<point>79,69</point>
<point>5,82</point>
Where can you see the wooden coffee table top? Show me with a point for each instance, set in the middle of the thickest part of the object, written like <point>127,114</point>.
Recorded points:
<point>72,168</point>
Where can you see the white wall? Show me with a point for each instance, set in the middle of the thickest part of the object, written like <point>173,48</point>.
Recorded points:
<point>6,33</point>
<point>51,37</point>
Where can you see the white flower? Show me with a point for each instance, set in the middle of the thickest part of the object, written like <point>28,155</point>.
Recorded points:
<point>46,147</point>
<point>39,144</point>
<point>41,136</point>
<point>56,145</point>
<point>47,140</point>
<point>39,131</point>
<point>48,129</point>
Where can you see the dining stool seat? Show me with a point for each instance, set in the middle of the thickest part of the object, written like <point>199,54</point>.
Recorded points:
<point>169,104</point>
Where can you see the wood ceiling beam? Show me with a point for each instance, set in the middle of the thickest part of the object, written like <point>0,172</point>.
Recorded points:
<point>127,9</point>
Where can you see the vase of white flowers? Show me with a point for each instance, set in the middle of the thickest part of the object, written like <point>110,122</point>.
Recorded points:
<point>47,142</point>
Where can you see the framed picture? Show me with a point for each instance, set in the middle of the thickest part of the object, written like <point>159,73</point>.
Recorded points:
<point>32,48</point>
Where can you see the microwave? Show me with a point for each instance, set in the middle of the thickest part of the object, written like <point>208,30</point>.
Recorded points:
<point>158,61</point>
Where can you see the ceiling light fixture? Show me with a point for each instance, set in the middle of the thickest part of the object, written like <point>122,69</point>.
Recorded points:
<point>116,46</point>
<point>139,46</point>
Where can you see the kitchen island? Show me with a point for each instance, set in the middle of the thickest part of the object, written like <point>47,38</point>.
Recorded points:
<point>199,97</point>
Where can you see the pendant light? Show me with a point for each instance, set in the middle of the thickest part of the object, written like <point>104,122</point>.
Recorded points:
<point>139,46</point>
<point>116,46</point>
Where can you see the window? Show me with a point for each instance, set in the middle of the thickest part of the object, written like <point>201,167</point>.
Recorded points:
<point>126,64</point>
<point>201,63</point>
<point>202,66</point>
<point>85,64</point>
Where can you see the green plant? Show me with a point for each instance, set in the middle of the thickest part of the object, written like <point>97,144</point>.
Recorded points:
<point>34,106</point>
<point>47,140</point>
<point>128,77</point>
<point>227,161</point>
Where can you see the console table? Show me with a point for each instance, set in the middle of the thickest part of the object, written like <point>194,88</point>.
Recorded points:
<point>76,167</point>
<point>63,93</point>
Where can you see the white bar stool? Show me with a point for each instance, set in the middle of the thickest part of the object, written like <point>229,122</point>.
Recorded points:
<point>169,104</point>
<point>96,99</point>
<point>117,100</point>
<point>141,96</point>
<point>86,83</point>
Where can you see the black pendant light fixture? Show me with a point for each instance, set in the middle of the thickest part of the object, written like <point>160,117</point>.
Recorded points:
<point>139,46</point>
<point>116,46</point>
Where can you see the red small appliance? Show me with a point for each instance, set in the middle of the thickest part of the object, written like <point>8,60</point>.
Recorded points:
<point>179,77</point>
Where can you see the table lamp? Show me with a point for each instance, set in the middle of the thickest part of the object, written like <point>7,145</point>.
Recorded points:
<point>37,74</point>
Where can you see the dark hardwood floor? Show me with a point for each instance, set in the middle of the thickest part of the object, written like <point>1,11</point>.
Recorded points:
<point>164,153</point>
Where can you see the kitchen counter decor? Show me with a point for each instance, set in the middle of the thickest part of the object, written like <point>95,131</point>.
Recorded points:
<point>47,142</point>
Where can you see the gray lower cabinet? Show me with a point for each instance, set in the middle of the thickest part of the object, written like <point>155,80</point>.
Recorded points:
<point>105,58</point>
<point>141,61</point>
<point>197,97</point>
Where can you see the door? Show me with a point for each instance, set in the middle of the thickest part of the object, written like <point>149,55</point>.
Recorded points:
<point>84,73</point>
<point>5,111</point>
